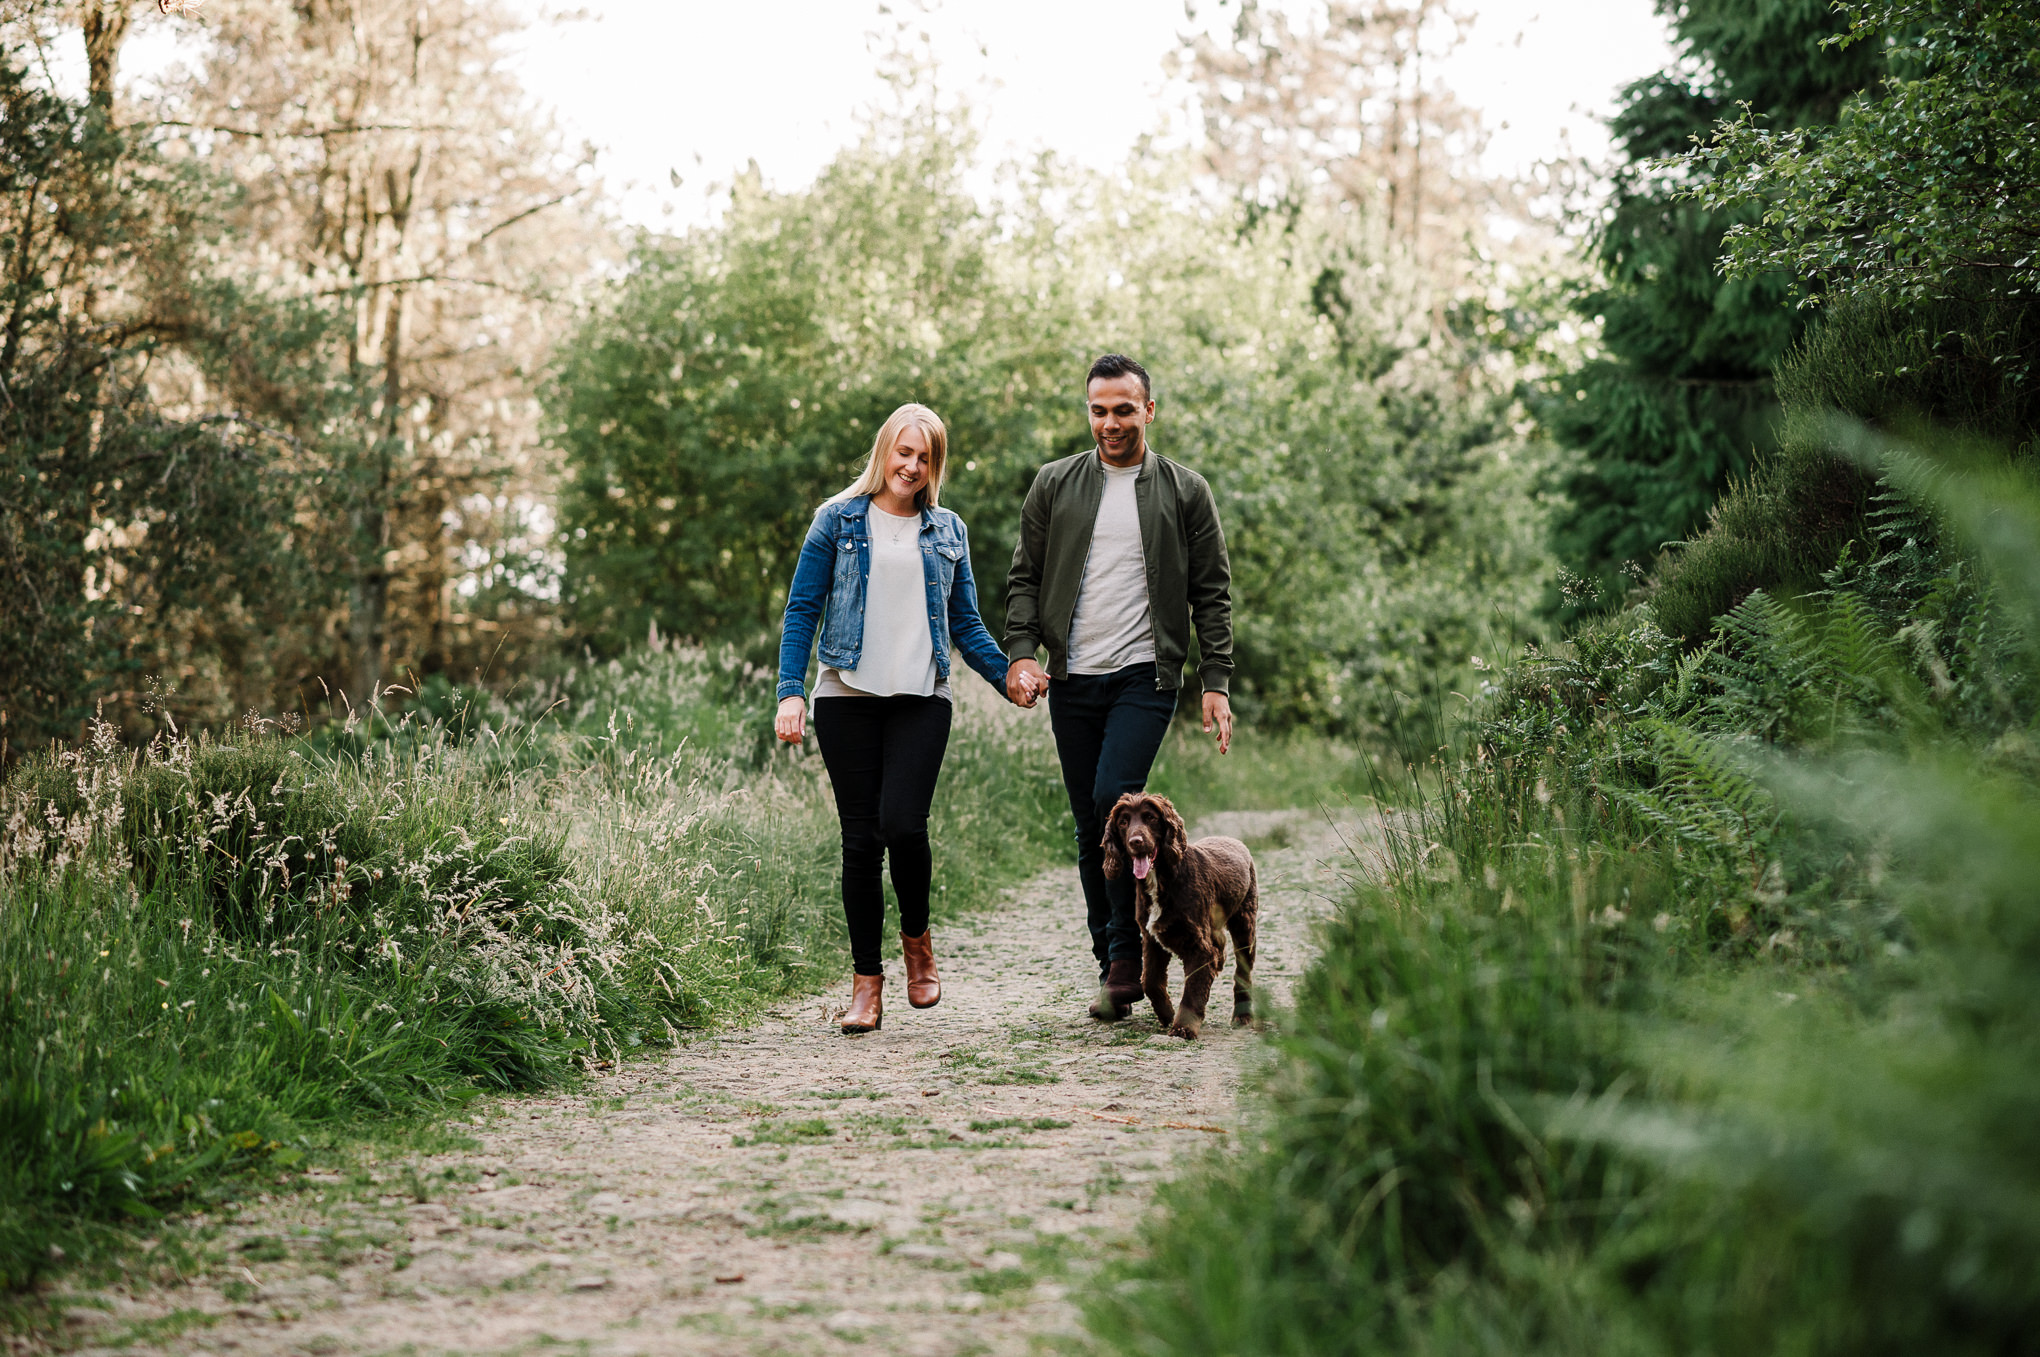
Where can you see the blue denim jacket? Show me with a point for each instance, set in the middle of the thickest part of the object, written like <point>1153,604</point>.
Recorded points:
<point>828,588</point>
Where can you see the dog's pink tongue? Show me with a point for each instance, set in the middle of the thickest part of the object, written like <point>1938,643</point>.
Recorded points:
<point>1140,868</point>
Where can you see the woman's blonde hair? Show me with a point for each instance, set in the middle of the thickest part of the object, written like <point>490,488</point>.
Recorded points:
<point>873,478</point>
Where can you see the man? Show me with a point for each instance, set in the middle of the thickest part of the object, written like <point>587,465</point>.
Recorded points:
<point>1120,553</point>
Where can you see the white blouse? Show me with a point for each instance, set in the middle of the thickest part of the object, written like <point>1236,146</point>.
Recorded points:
<point>898,652</point>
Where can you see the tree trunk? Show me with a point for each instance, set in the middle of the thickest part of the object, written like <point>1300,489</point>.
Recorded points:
<point>370,601</point>
<point>369,594</point>
<point>106,25</point>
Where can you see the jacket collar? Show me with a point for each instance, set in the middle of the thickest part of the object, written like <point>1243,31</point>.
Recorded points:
<point>856,506</point>
<point>1147,461</point>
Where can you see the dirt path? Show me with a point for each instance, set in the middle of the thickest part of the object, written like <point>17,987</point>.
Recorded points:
<point>929,1189</point>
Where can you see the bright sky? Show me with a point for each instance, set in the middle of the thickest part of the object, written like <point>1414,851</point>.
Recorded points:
<point>701,88</point>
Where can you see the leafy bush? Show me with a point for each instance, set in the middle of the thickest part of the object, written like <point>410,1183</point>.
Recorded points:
<point>1951,363</point>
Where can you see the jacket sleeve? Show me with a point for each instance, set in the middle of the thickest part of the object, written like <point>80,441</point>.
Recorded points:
<point>1210,589</point>
<point>967,628</point>
<point>809,594</point>
<point>1023,581</point>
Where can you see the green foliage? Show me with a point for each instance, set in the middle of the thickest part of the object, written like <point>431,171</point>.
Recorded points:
<point>1393,1164</point>
<point>737,379</point>
<point>1934,172</point>
<point>1691,1012</point>
<point>133,541</point>
<point>1780,529</point>
<point>222,954</point>
<point>1671,411</point>
<point>1952,363</point>
<point>1351,456</point>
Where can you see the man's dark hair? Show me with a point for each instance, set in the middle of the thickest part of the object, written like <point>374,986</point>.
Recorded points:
<point>1118,365</point>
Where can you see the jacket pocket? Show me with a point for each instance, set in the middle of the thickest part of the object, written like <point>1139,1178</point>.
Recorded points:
<point>947,555</point>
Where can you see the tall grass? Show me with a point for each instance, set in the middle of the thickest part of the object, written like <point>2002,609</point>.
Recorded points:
<point>1692,1010</point>
<point>222,950</point>
<point>1294,769</point>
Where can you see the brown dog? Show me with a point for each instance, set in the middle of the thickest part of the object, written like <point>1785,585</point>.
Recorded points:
<point>1186,898</point>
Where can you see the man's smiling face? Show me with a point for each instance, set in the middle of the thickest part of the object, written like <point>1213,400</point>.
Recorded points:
<point>1120,413</point>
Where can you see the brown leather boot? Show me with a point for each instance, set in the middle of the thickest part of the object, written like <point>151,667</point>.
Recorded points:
<point>867,1006</point>
<point>1119,991</point>
<point>924,987</point>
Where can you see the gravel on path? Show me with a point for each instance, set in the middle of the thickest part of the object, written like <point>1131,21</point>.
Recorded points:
<point>930,1189</point>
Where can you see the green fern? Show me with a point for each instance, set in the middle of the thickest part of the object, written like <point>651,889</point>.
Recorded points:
<point>1702,795</point>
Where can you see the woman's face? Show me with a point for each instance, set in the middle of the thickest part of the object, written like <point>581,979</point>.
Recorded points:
<point>906,466</point>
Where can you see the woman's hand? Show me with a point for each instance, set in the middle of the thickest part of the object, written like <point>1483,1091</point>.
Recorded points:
<point>791,723</point>
<point>1026,681</point>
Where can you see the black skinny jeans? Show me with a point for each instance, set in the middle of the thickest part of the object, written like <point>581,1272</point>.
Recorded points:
<point>883,755</point>
<point>1108,729</point>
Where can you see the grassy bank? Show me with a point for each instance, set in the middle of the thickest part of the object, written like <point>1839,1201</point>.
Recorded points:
<point>1263,771</point>
<point>1692,1012</point>
<point>225,952</point>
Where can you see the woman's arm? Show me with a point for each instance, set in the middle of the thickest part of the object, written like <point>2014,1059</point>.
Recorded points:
<point>967,629</point>
<point>805,599</point>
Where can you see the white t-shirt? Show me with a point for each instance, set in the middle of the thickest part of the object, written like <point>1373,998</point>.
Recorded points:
<point>1112,627</point>
<point>898,652</point>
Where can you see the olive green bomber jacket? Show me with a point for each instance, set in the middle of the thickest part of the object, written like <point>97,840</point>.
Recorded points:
<point>1189,578</point>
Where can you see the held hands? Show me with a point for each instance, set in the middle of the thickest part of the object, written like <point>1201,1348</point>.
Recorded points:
<point>790,724</point>
<point>1025,682</point>
<point>1218,713</point>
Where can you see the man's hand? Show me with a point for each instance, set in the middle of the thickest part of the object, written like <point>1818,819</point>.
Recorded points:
<point>1218,713</point>
<point>791,723</point>
<point>1026,681</point>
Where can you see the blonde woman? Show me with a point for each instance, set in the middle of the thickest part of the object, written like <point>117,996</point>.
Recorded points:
<point>885,576</point>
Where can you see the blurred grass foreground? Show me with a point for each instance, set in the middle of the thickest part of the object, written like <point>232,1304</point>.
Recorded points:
<point>220,952</point>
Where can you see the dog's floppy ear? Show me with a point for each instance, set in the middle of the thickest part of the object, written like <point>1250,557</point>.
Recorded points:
<point>1115,824</point>
<point>1175,838</point>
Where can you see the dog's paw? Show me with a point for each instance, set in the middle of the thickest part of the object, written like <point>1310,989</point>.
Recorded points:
<point>1243,1017</point>
<point>1185,1030</point>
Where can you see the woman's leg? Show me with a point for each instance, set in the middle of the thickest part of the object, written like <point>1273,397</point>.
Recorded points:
<point>851,733</point>
<point>916,736</point>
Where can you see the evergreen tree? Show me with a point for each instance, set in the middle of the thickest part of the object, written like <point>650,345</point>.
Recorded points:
<point>1679,400</point>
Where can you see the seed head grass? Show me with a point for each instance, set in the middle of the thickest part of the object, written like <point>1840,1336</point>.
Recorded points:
<point>226,953</point>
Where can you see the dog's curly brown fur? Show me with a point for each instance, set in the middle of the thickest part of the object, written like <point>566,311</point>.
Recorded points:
<point>1194,895</point>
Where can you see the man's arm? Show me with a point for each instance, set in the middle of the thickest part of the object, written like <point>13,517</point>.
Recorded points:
<point>1210,590</point>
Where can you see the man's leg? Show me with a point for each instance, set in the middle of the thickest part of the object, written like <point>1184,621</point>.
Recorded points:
<point>1077,708</point>
<point>1135,723</point>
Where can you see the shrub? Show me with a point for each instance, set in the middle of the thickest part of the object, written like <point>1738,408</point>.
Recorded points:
<point>1954,363</point>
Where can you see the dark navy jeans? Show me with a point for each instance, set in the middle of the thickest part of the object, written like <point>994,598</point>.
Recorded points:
<point>1108,729</point>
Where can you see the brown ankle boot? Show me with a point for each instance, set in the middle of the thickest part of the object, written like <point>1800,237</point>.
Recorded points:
<point>924,987</point>
<point>867,1007</point>
<point>1119,991</point>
